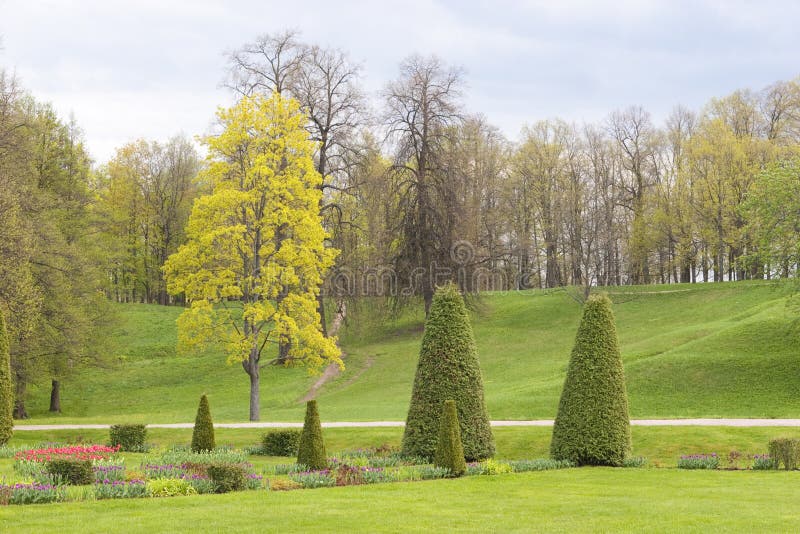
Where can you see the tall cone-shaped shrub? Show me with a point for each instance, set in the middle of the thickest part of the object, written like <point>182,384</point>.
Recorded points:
<point>6,389</point>
<point>449,451</point>
<point>448,369</point>
<point>592,426</point>
<point>203,435</point>
<point>311,450</point>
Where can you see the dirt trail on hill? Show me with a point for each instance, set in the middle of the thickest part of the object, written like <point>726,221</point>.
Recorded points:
<point>332,371</point>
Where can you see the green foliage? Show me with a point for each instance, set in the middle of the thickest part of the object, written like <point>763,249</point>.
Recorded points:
<point>785,451</point>
<point>542,464</point>
<point>448,369</point>
<point>203,434</point>
<point>280,443</point>
<point>6,388</point>
<point>130,438</point>
<point>227,477</point>
<point>592,426</point>
<point>71,471</point>
<point>169,487</point>
<point>311,449</point>
<point>449,451</point>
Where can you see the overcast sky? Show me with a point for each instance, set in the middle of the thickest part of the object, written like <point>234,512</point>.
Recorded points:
<point>152,68</point>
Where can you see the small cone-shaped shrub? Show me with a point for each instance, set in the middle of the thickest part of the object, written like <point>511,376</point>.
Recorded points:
<point>311,450</point>
<point>203,435</point>
<point>448,369</point>
<point>449,451</point>
<point>592,426</point>
<point>6,389</point>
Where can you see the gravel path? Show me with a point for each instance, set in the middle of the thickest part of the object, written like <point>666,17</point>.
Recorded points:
<point>361,424</point>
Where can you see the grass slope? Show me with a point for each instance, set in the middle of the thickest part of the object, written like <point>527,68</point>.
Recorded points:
<point>709,350</point>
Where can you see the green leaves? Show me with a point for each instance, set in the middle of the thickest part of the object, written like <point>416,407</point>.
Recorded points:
<point>592,426</point>
<point>448,369</point>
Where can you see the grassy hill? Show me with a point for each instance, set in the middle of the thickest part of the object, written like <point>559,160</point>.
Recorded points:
<point>705,350</point>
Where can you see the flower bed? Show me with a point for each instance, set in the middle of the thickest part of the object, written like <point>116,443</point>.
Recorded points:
<point>699,461</point>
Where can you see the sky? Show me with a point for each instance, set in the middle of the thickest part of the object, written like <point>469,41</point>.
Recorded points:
<point>153,68</point>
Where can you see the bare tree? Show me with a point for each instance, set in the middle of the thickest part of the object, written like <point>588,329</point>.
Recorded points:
<point>421,107</point>
<point>327,85</point>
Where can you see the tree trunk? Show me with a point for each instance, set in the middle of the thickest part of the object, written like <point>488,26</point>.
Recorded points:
<point>321,310</point>
<point>55,396</point>
<point>19,400</point>
<point>251,368</point>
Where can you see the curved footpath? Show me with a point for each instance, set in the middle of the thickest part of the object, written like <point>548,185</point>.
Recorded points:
<point>361,424</point>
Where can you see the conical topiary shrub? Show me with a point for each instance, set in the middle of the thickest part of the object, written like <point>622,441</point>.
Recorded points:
<point>449,451</point>
<point>6,389</point>
<point>311,450</point>
<point>203,435</point>
<point>448,369</point>
<point>592,426</point>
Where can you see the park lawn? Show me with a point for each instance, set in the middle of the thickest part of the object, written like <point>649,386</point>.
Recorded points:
<point>704,350</point>
<point>571,500</point>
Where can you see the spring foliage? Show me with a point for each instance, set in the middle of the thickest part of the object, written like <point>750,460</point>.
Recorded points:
<point>448,369</point>
<point>311,451</point>
<point>592,426</point>
<point>449,451</point>
<point>6,389</point>
<point>255,257</point>
<point>203,434</point>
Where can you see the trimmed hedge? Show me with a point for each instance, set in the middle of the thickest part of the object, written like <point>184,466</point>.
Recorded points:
<point>71,471</point>
<point>311,449</point>
<point>785,451</point>
<point>448,368</point>
<point>592,426</point>
<point>227,477</point>
<point>203,434</point>
<point>280,443</point>
<point>6,388</point>
<point>130,438</point>
<point>449,451</point>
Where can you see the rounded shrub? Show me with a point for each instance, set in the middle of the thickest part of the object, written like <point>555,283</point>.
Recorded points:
<point>785,451</point>
<point>129,438</point>
<point>227,477</point>
<point>592,426</point>
<point>280,443</point>
<point>71,471</point>
<point>6,388</point>
<point>449,451</point>
<point>311,450</point>
<point>203,434</point>
<point>448,369</point>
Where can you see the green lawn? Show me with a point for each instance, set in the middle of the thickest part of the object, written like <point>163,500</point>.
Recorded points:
<point>572,500</point>
<point>689,350</point>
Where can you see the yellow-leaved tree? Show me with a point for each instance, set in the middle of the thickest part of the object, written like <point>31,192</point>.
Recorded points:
<point>255,257</point>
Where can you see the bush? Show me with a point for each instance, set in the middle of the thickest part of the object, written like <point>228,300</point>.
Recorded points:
<point>785,451</point>
<point>311,449</point>
<point>129,438</point>
<point>282,484</point>
<point>227,477</point>
<point>6,389</point>
<point>203,434</point>
<point>449,451</point>
<point>70,471</point>
<point>448,369</point>
<point>592,426</point>
<point>280,443</point>
<point>169,487</point>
